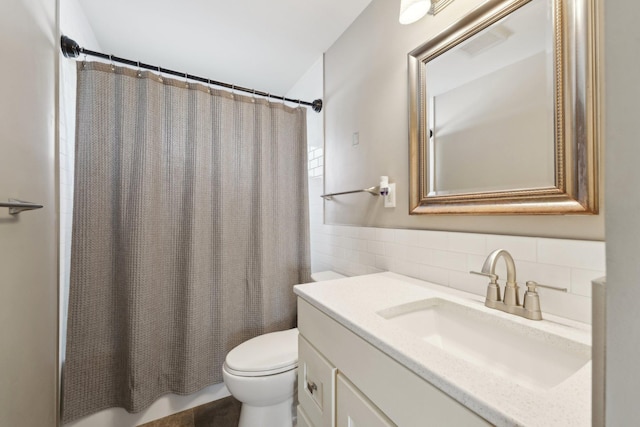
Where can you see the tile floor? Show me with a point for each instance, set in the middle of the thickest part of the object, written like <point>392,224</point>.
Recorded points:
<point>220,413</point>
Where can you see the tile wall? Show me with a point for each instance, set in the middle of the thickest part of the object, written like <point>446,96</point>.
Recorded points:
<point>315,157</point>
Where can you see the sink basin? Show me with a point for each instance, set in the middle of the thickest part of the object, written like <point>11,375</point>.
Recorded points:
<point>529,356</point>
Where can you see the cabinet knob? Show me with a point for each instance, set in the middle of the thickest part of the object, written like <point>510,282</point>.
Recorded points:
<point>311,386</point>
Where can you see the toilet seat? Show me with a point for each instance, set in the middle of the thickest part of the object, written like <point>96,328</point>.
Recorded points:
<point>267,354</point>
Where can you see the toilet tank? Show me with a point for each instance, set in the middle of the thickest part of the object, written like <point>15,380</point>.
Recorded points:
<point>326,275</point>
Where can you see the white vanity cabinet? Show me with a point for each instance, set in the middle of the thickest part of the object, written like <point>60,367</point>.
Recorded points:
<point>327,398</point>
<point>353,409</point>
<point>345,381</point>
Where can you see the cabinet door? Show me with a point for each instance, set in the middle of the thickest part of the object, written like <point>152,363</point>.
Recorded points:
<point>303,420</point>
<point>353,409</point>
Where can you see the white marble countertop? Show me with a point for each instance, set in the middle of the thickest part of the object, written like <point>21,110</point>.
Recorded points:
<point>354,301</point>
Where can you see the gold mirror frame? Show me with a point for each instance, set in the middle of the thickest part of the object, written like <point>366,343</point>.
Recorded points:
<point>576,131</point>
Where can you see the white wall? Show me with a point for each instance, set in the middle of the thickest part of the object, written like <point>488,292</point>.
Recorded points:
<point>309,87</point>
<point>366,91</point>
<point>622,92</point>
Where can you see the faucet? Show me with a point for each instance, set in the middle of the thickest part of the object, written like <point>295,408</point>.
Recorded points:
<point>530,308</point>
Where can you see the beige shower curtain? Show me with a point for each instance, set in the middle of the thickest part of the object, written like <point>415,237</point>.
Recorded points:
<point>190,228</point>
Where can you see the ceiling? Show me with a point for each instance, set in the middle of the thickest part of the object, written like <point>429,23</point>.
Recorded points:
<point>262,44</point>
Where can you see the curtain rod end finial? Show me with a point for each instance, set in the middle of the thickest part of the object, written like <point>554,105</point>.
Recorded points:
<point>69,47</point>
<point>317,105</point>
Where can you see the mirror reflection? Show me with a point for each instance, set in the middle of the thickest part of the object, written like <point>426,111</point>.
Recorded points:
<point>491,108</point>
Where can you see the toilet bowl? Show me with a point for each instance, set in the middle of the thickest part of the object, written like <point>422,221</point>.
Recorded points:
<point>262,374</point>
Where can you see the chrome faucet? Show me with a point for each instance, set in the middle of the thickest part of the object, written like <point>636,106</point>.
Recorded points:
<point>530,309</point>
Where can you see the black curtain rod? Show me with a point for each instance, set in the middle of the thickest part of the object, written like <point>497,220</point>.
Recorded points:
<point>71,49</point>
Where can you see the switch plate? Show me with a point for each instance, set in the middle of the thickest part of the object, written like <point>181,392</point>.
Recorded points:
<point>390,199</point>
<point>355,138</point>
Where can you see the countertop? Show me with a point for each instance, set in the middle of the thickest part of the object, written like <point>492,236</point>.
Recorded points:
<point>354,301</point>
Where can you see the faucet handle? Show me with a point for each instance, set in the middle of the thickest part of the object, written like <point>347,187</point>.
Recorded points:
<point>493,277</point>
<point>531,303</point>
<point>493,290</point>
<point>531,287</point>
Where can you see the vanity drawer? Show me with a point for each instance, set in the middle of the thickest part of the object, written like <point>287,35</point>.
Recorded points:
<point>316,385</point>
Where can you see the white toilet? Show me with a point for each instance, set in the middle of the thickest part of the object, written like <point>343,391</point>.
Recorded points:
<point>262,374</point>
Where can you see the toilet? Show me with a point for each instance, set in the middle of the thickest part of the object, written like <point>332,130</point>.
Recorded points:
<point>262,374</point>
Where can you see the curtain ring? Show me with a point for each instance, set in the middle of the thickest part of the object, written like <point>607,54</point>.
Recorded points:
<point>139,70</point>
<point>233,91</point>
<point>186,80</point>
<point>159,74</point>
<point>253,96</point>
<point>209,86</point>
<point>283,100</point>
<point>113,67</point>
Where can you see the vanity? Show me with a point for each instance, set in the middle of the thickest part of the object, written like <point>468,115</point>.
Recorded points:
<point>389,350</point>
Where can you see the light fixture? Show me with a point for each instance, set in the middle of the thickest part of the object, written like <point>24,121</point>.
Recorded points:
<point>412,10</point>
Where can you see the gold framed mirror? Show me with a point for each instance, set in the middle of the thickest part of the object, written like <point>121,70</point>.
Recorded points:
<point>503,112</point>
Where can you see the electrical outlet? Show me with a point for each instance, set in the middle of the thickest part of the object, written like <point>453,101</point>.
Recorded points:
<point>355,138</point>
<point>390,199</point>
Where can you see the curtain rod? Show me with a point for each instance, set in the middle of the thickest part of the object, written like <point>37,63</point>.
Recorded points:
<point>71,49</point>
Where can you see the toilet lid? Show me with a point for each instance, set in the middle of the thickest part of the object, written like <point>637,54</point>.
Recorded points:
<point>266,354</point>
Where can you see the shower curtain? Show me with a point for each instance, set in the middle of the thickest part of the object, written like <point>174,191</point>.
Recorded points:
<point>190,228</point>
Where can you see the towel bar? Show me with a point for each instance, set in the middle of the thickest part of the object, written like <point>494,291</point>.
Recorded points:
<point>371,190</point>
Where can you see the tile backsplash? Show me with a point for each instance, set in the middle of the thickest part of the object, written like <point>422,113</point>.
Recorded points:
<point>446,258</point>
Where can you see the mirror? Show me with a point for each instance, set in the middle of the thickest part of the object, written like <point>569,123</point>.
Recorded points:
<point>503,112</point>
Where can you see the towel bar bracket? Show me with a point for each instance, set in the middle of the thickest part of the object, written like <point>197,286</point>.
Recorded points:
<point>17,206</point>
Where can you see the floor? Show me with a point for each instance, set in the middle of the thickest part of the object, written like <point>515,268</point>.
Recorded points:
<point>220,413</point>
